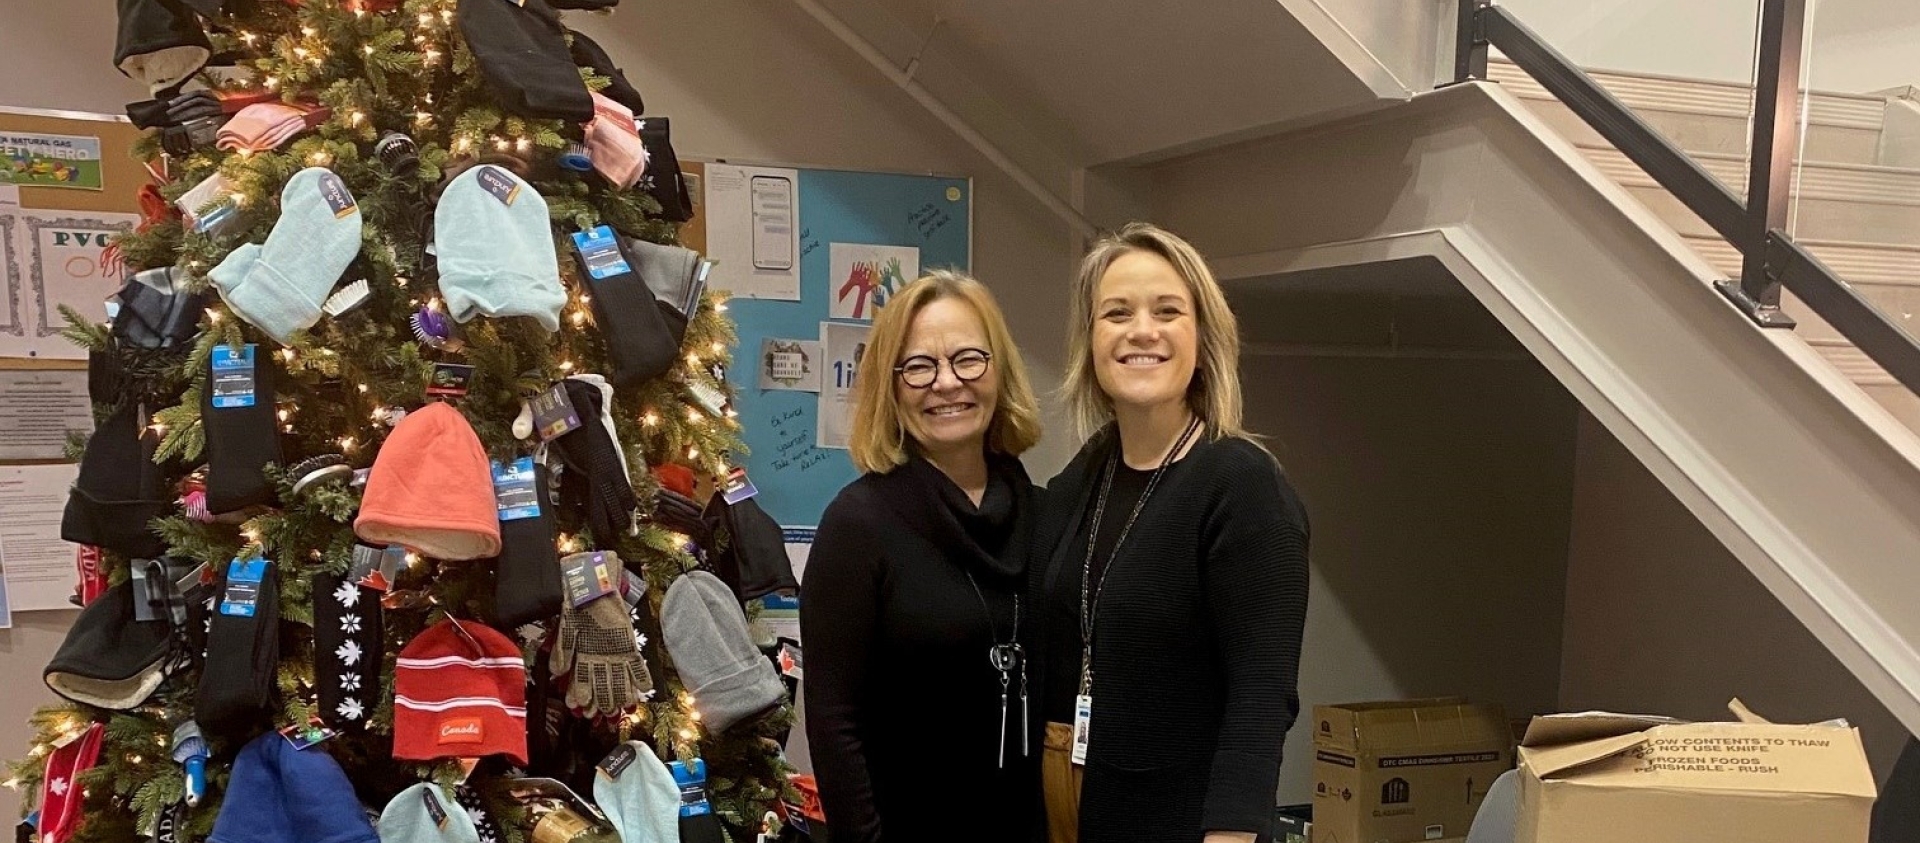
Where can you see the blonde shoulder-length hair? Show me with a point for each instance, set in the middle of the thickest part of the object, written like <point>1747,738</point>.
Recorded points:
<point>1214,394</point>
<point>878,442</point>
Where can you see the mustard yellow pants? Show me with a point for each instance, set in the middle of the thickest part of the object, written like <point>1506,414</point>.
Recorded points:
<point>1060,779</point>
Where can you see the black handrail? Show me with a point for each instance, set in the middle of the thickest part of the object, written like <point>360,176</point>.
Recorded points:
<point>1756,227</point>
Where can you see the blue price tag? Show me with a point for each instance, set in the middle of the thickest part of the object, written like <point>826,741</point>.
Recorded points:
<point>600,253</point>
<point>513,490</point>
<point>233,381</point>
<point>243,587</point>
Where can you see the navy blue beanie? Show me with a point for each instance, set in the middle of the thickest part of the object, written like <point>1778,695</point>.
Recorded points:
<point>279,794</point>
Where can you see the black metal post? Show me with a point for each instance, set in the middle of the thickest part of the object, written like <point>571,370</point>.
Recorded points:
<point>1776,140</point>
<point>1470,45</point>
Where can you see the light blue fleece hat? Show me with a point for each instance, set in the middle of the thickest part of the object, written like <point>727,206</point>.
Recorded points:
<point>494,246</point>
<point>426,814</point>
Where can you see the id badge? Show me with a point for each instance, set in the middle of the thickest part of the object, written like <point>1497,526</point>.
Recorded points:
<point>1082,720</point>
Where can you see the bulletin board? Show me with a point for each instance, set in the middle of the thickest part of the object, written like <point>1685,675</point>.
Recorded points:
<point>857,236</point>
<point>68,186</point>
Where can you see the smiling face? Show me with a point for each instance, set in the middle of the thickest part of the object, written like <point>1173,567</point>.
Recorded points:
<point>1145,338</point>
<point>950,415</point>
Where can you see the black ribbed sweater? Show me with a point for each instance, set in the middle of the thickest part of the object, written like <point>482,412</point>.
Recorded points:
<point>1196,646</point>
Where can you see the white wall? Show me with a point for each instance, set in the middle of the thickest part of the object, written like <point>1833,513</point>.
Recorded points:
<point>743,80</point>
<point>1856,46</point>
<point>1662,619</point>
<point>1438,492</point>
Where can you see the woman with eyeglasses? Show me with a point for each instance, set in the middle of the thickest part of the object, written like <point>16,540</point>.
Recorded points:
<point>1171,571</point>
<point>917,689</point>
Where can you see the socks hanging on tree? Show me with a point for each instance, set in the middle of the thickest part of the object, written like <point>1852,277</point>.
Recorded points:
<point>279,287</point>
<point>527,577</point>
<point>639,346</point>
<point>237,412</point>
<point>235,697</point>
<point>61,795</point>
<point>347,643</point>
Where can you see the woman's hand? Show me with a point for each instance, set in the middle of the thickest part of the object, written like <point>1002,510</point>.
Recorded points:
<point>1230,837</point>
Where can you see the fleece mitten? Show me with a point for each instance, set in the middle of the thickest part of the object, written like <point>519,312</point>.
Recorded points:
<point>493,244</point>
<point>235,698</point>
<point>279,287</point>
<point>664,181</point>
<point>527,584</point>
<point>639,345</point>
<point>706,634</point>
<point>243,435</point>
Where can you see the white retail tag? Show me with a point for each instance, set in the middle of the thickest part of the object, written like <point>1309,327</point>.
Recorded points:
<point>1082,720</point>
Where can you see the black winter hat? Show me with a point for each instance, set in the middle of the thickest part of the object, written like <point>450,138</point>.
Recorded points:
<point>755,562</point>
<point>663,180</point>
<point>109,659</point>
<point>160,43</point>
<point>588,53</point>
<point>119,491</point>
<point>522,51</point>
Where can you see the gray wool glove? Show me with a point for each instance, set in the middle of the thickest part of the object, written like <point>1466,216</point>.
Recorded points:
<point>596,644</point>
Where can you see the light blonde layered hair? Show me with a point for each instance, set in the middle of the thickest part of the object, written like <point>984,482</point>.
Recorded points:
<point>878,442</point>
<point>1214,394</point>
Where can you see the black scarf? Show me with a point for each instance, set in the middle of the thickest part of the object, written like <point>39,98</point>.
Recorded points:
<point>993,537</point>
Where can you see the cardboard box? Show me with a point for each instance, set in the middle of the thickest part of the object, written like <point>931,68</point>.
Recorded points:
<point>1404,771</point>
<point>1602,778</point>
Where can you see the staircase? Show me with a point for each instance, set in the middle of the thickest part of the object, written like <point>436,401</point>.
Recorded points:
<point>1857,214</point>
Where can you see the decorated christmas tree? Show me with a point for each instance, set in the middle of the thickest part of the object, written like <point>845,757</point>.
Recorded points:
<point>409,488</point>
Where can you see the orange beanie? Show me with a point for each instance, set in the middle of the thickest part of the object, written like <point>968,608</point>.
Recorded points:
<point>431,489</point>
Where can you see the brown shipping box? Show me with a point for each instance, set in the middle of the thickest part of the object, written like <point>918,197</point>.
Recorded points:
<point>1404,771</point>
<point>1611,778</point>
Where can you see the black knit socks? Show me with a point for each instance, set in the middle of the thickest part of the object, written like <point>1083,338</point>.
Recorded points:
<point>242,434</point>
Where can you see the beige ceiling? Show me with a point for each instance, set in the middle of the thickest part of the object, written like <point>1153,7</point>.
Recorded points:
<point>1102,81</point>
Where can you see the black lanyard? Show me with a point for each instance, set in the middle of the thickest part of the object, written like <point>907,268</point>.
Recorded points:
<point>1089,590</point>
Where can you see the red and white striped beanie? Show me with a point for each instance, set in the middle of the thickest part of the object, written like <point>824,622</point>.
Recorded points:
<point>460,691</point>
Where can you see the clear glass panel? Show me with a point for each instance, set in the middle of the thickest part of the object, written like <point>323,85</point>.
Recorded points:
<point>1855,199</point>
<point>1685,67</point>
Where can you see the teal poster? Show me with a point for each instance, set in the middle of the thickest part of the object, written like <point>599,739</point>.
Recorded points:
<point>860,237</point>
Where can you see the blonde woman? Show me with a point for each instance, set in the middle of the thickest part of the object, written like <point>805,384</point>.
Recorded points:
<point>1173,559</point>
<point>911,610</point>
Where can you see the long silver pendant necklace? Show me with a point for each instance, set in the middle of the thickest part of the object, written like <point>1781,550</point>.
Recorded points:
<point>1006,657</point>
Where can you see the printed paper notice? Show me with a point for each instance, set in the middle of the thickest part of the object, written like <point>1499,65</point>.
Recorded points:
<point>51,258</point>
<point>865,276</point>
<point>38,408</point>
<point>71,161</point>
<point>753,231</point>
<point>845,346</point>
<point>790,364</point>
<point>35,563</point>
<point>799,541</point>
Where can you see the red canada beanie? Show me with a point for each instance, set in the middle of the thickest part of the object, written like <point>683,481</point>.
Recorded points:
<point>460,691</point>
<point>431,489</point>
